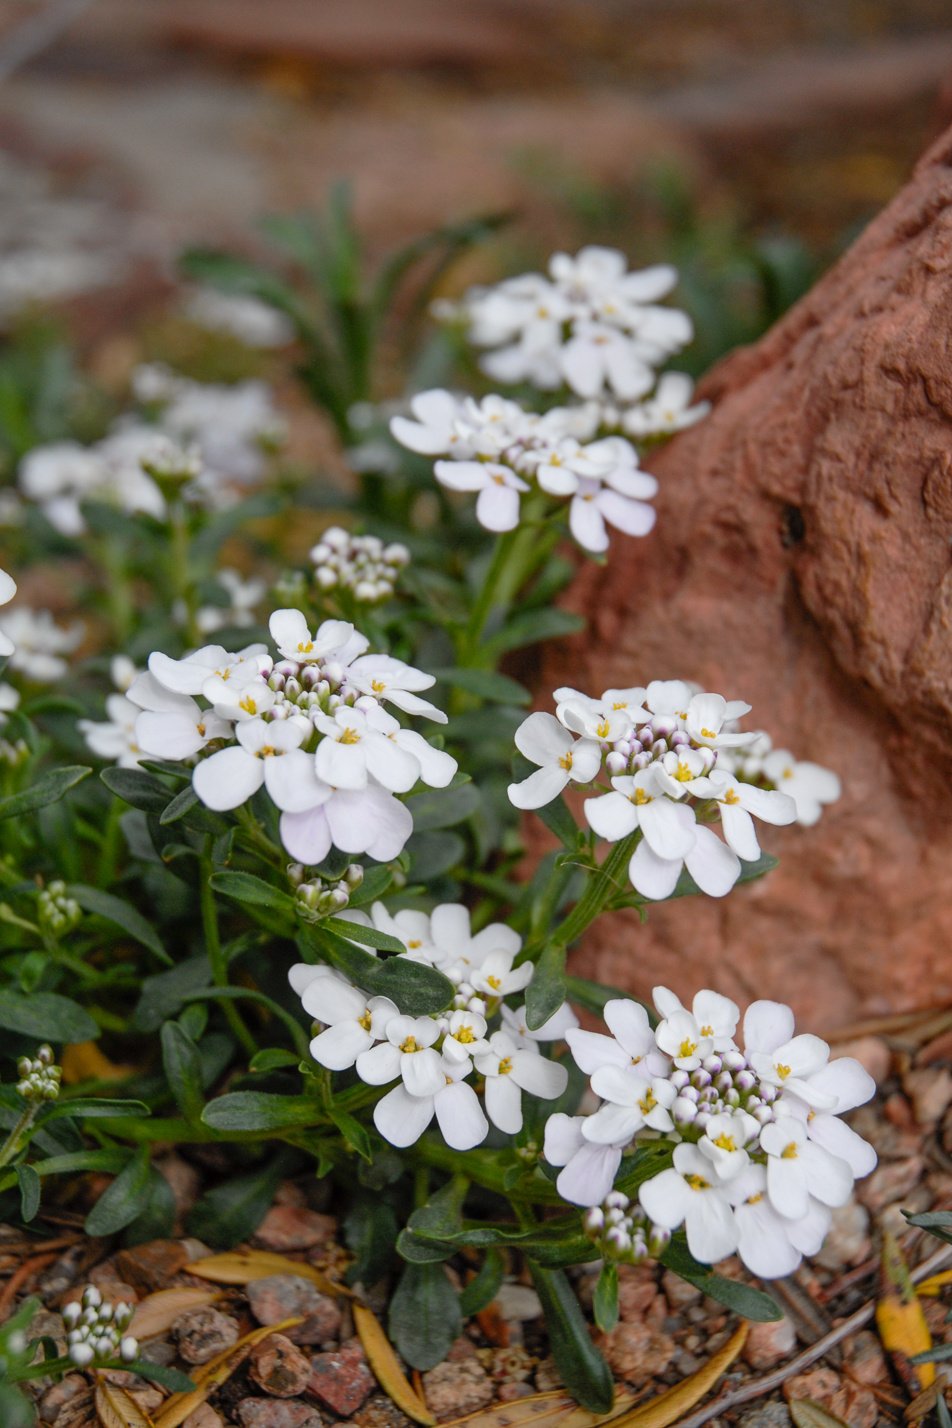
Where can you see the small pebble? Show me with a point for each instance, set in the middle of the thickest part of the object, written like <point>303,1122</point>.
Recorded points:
<point>293,1227</point>
<point>891,1182</point>
<point>453,1390</point>
<point>930,1091</point>
<point>73,1389</point>
<point>380,1411</point>
<point>770,1343</point>
<point>769,1415</point>
<point>636,1353</point>
<point>287,1296</point>
<point>202,1333</point>
<point>341,1380</point>
<point>272,1413</point>
<point>849,1401</point>
<point>279,1367</point>
<point>204,1416</point>
<point>519,1302</point>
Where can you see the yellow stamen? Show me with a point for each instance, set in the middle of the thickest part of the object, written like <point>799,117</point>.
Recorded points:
<point>697,1182</point>
<point>707,1031</point>
<point>378,686</point>
<point>648,1102</point>
<point>565,762</point>
<point>410,1045</point>
<point>494,982</point>
<point>465,1035</point>
<point>305,646</point>
<point>731,797</point>
<point>782,1071</point>
<point>364,1021</point>
<point>687,1048</point>
<point>789,1151</point>
<point>248,705</point>
<point>414,943</point>
<point>725,1142</point>
<point>641,798</point>
<point>505,1066</point>
<point>349,736</point>
<point>683,774</point>
<point>754,1199</point>
<point>708,734</point>
<point>602,729</point>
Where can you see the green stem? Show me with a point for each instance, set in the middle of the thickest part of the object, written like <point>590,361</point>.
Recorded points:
<point>118,588</point>
<point>106,868</point>
<point>44,1369</point>
<point>518,555</point>
<point>183,588</point>
<point>216,955</point>
<point>601,887</point>
<point>11,1146</point>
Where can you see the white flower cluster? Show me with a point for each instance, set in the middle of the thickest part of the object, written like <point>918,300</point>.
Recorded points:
<point>760,1154</point>
<point>252,321</point>
<point>60,476</point>
<point>36,644</point>
<point>310,728</point>
<point>243,598</point>
<point>94,1330</point>
<point>670,409</point>
<point>501,451</point>
<point>811,786</point>
<point>57,912</point>
<point>431,1058</point>
<point>235,426</point>
<point>114,737</point>
<point>659,751</point>
<point>39,1076</point>
<point>361,564</point>
<point>8,588</point>
<point>318,897</point>
<point>589,324</point>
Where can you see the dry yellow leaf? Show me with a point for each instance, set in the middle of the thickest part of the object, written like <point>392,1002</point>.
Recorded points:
<point>932,1287</point>
<point>83,1061</point>
<point>160,1310</point>
<point>807,1414</point>
<point>899,1318</point>
<point>670,1406</point>
<point>384,1362</point>
<point>556,1409</point>
<point>242,1266</point>
<point>212,1375</point>
<point>115,1409</point>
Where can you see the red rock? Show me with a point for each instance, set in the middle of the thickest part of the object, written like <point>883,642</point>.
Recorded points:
<point>293,1227</point>
<point>204,1416</point>
<point>851,1402</point>
<point>636,1353</point>
<point>341,1380</point>
<point>202,1333</point>
<point>272,1413</point>
<point>769,1344</point>
<point>151,1266</point>
<point>930,1091</point>
<point>285,1296</point>
<point>453,1390</point>
<point>279,1367</point>
<point>801,562</point>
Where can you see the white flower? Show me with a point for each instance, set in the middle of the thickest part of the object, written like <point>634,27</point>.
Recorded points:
<point>115,737</point>
<point>560,757</point>
<point>690,1194</point>
<point>407,1053</point>
<point>589,1170</point>
<point>715,1016</point>
<point>36,644</point>
<point>244,596</point>
<point>204,671</point>
<point>496,977</point>
<point>599,356</point>
<point>783,1060</point>
<point>391,681</point>
<point>798,1169</point>
<point>172,726</point>
<point>725,1140</point>
<point>509,1071</point>
<point>497,505</point>
<point>594,504</point>
<point>8,588</point>
<point>809,785</point>
<point>266,753</point>
<point>736,802</point>
<point>708,714</point>
<point>9,700</point>
<point>763,1241</point>
<point>465,1036</point>
<point>643,801</point>
<point>354,1021</point>
<point>435,429</point>
<point>253,322</point>
<point>353,751</point>
<point>293,637</point>
<point>713,866</point>
<point>556,1028</point>
<point>851,1085</point>
<point>668,411</point>
<point>401,1117</point>
<point>632,1102</point>
<point>368,820</point>
<point>632,1041</point>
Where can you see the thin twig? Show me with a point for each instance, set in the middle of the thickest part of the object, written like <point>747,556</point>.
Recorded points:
<point>770,1381</point>
<point>28,1267</point>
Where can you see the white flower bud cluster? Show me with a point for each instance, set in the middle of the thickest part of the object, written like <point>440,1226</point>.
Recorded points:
<point>759,1156</point>
<point>323,897</point>
<point>360,564</point>
<point>623,1232</point>
<point>171,463</point>
<point>95,1330</point>
<point>58,913</point>
<point>501,451</point>
<point>14,752</point>
<point>310,727</point>
<point>39,1076</point>
<point>449,1065</point>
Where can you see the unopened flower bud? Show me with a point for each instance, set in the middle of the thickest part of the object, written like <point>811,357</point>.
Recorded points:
<point>128,1349</point>
<point>659,1237</point>
<point>81,1355</point>
<point>712,1063</point>
<point>679,1079</point>
<point>683,1111</point>
<point>616,763</point>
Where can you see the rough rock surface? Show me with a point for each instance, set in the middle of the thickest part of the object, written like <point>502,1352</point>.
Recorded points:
<point>801,562</point>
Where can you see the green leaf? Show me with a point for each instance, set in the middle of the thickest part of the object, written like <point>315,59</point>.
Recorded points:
<point>807,1414</point>
<point>433,854</point>
<point>141,790</point>
<point>30,1186</point>
<point>164,993</point>
<point>741,1298</point>
<point>15,1410</point>
<point>418,990</point>
<point>584,1372</point>
<point>483,1289</point>
<point>259,1111</point>
<point>120,1202</point>
<point>442,1214</point>
<point>370,1232</point>
<point>937,1222</point>
<point>443,807</point>
<point>366,936</point>
<point>487,684</point>
<point>91,1108</point>
<point>232,1211</point>
<point>245,887</point>
<point>172,1379</point>
<point>375,884</point>
<point>530,628</point>
<point>424,1316</point>
<point>936,1354</point>
<point>50,788</point>
<point>156,1219</point>
<point>416,1250</point>
<point>123,914</point>
<point>46,1016</point>
<point>183,1070</point>
<point>272,1058</point>
<point>548,988</point>
<point>605,1299</point>
<point>353,1132</point>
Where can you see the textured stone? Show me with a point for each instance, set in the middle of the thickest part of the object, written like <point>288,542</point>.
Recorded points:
<point>151,1266</point>
<point>341,1380</point>
<point>286,1296</point>
<point>848,1240</point>
<point>272,1413</point>
<point>636,1353</point>
<point>930,1091</point>
<point>293,1227</point>
<point>279,1367</point>
<point>891,1182</point>
<point>769,1344</point>
<point>851,1402</point>
<point>453,1390</point>
<point>203,1417</point>
<point>801,562</point>
<point>71,1391</point>
<point>202,1333</point>
<point>769,1415</point>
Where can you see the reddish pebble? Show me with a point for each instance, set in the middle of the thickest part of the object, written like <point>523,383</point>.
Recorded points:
<point>293,1227</point>
<point>279,1367</point>
<point>288,1296</point>
<point>151,1266</point>
<point>202,1333</point>
<point>341,1380</point>
<point>272,1413</point>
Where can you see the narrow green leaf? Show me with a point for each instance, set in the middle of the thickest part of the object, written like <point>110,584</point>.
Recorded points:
<point>49,788</point>
<point>483,1289</point>
<point>120,1202</point>
<point>370,1232</point>
<point>593,996</point>
<point>137,788</point>
<point>156,1218</point>
<point>741,1298</point>
<point>487,684</point>
<point>225,1216</point>
<point>424,1316</point>
<point>30,1186</point>
<point>605,1299</point>
<point>245,887</point>
<point>272,1058</point>
<point>366,936</point>
<point>90,1108</point>
<point>584,1372</point>
<point>46,1016</point>
<point>259,1111</point>
<point>172,1379</point>
<point>183,1070</point>
<point>443,807</point>
<point>353,1132</point>
<point>548,988</point>
<point>123,914</point>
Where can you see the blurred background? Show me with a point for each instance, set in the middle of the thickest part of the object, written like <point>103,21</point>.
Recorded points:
<point>745,141</point>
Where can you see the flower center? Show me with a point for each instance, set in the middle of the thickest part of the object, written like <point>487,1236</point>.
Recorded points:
<point>725,1142</point>
<point>648,1102</point>
<point>494,982</point>
<point>414,943</point>
<point>505,1066</point>
<point>248,705</point>
<point>410,1045</point>
<point>731,797</point>
<point>754,1199</point>
<point>268,751</point>
<point>602,729</point>
<point>683,774</point>
<point>789,1151</point>
<point>305,646</point>
<point>707,1031</point>
<point>565,762</point>
<point>697,1182</point>
<point>349,736</point>
<point>708,733</point>
<point>364,1021</point>
<point>687,1047</point>
<point>782,1071</point>
<point>641,798</point>
<point>465,1035</point>
<point>378,686</point>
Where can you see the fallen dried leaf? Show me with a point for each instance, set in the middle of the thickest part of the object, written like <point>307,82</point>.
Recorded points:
<point>899,1318</point>
<point>83,1061</point>
<point>242,1266</point>
<point>670,1406</point>
<point>385,1365</point>
<point>807,1414</point>
<point>213,1374</point>
<point>556,1409</point>
<point>115,1409</point>
<point>159,1311</point>
<point>931,1288</point>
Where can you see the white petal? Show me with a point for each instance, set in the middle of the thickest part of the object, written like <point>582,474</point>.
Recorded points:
<point>538,1075</point>
<point>635,518</point>
<point>628,1023</point>
<point>542,740</point>
<point>842,1141</point>
<point>497,507</point>
<point>539,788</point>
<point>329,999</point>
<point>587,525</point>
<point>767,1025</point>
<point>612,1125</point>
<point>391,766</point>
<point>422,1072</point>
<point>589,1175</point>
<point>711,1228</point>
<point>504,1104</point>
<point>379,1065</point>
<point>460,1116</point>
<point>847,1080</point>
<point>652,876</point>
<point>611,816</point>
<point>228,778</point>
<point>292,782</point>
<point>338,1047</point>
<point>830,1179</point>
<point>171,735</point>
<point>341,765</point>
<point>768,806</point>
<point>401,1118</point>
<point>713,866</point>
<point>787,1186</point>
<point>669,828</point>
<point>762,1242</point>
<point>740,832</point>
<point>563,1137</point>
<point>306,836</point>
<point>665,1198</point>
<point>590,1049</point>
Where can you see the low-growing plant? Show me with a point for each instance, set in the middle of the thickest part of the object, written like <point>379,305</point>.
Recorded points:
<point>295,915</point>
